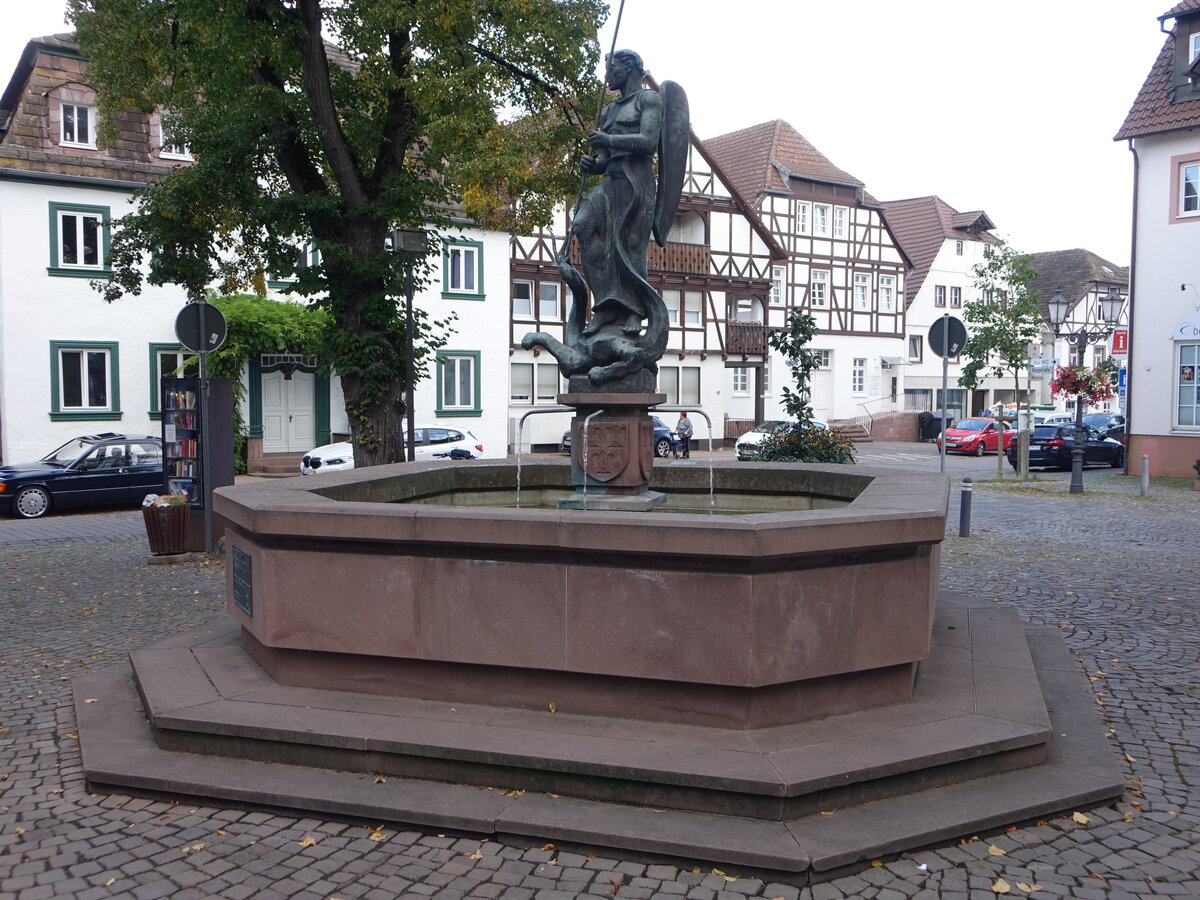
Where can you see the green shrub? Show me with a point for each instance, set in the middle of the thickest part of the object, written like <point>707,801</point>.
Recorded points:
<point>808,444</point>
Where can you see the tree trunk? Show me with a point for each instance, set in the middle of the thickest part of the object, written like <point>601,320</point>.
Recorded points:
<point>377,425</point>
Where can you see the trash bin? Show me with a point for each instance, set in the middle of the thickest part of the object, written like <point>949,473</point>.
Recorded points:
<point>931,424</point>
<point>166,527</point>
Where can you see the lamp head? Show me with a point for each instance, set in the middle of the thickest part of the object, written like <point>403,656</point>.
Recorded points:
<point>1057,307</point>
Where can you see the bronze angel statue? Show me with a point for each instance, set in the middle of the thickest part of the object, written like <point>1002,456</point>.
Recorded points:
<point>613,225</point>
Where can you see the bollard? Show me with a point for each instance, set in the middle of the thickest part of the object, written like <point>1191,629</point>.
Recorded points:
<point>964,511</point>
<point>1145,485</point>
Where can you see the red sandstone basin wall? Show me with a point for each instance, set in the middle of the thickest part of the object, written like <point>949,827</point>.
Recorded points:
<point>741,600</point>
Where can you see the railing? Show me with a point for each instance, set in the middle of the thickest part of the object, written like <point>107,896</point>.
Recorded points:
<point>877,408</point>
<point>743,338</point>
<point>689,259</point>
<point>685,259</point>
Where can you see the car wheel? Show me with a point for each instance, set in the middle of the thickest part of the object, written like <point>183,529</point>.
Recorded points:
<point>31,502</point>
<point>978,451</point>
<point>662,447</point>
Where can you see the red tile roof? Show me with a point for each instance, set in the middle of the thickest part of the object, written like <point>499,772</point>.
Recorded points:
<point>1153,112</point>
<point>752,158</point>
<point>921,224</point>
<point>1179,9</point>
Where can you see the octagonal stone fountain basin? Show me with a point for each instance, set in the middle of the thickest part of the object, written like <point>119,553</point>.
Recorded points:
<point>798,591</point>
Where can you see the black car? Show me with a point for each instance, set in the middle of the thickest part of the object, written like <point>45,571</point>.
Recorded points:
<point>97,470</point>
<point>1110,425</point>
<point>1050,446</point>
<point>664,439</point>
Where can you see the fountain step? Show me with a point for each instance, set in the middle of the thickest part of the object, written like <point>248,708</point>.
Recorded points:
<point>1075,769</point>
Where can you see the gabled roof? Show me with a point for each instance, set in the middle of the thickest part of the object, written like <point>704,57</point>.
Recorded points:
<point>1075,273</point>
<point>922,224</point>
<point>1152,111</point>
<point>764,157</point>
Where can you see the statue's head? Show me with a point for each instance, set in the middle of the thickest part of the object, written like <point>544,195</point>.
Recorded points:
<point>629,61</point>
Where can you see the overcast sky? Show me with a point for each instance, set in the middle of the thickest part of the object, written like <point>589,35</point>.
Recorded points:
<point>1006,107</point>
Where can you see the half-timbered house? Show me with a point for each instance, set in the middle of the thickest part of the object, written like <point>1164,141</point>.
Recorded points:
<point>843,266</point>
<point>715,276</point>
<point>944,246</point>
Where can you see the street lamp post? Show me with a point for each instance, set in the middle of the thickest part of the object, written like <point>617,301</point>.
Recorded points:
<point>1110,311</point>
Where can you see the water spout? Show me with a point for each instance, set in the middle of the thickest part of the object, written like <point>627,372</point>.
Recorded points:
<point>521,432</point>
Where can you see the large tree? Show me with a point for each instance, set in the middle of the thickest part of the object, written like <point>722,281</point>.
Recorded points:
<point>333,122</point>
<point>1003,322</point>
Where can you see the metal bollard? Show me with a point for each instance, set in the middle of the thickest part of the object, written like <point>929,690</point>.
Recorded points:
<point>1145,485</point>
<point>964,510</point>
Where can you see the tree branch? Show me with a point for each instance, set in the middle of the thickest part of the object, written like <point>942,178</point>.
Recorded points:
<point>314,69</point>
<point>532,77</point>
<point>401,113</point>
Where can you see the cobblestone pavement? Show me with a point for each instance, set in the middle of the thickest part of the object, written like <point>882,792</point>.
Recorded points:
<point>1118,574</point>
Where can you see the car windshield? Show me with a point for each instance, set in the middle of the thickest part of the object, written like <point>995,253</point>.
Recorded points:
<point>972,424</point>
<point>1046,431</point>
<point>773,427</point>
<point>68,452</point>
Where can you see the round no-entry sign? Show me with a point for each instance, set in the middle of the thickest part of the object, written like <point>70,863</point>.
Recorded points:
<point>947,336</point>
<point>197,338</point>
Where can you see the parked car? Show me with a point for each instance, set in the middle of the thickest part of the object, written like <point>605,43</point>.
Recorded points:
<point>1059,419</point>
<point>746,446</point>
<point>1111,425</point>
<point>1050,446</point>
<point>664,439</point>
<point>431,443</point>
<point>95,470</point>
<point>975,436</point>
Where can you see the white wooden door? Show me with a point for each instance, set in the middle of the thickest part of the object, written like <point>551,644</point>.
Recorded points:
<point>288,412</point>
<point>822,393</point>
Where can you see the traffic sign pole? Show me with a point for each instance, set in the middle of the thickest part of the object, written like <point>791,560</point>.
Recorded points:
<point>945,387</point>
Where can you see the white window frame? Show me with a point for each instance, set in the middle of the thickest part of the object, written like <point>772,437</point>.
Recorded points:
<point>520,383</point>
<point>59,228</point>
<point>693,308</point>
<point>822,357</point>
<point>672,299</point>
<point>819,298</point>
<point>462,270</point>
<point>778,273</point>
<point>1193,46</point>
<point>916,347</point>
<point>547,305</point>
<point>167,149</point>
<point>1187,355</point>
<point>450,366</point>
<point>955,297</point>
<point>858,375</point>
<point>958,248</point>
<point>803,217</point>
<point>741,380</point>
<point>524,311</point>
<point>839,221</point>
<point>1189,177</point>
<point>90,125</point>
<point>939,295</point>
<point>887,293</point>
<point>820,225</point>
<point>674,382</point>
<point>104,352</point>
<point>862,292</point>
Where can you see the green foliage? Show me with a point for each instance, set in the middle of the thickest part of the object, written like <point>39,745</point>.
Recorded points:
<point>1005,320</point>
<point>808,444</point>
<point>792,343</point>
<point>295,142</point>
<point>805,442</point>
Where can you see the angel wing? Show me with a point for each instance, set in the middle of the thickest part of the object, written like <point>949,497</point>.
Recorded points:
<point>672,157</point>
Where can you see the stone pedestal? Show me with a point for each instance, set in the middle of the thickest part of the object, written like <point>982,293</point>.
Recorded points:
<point>612,451</point>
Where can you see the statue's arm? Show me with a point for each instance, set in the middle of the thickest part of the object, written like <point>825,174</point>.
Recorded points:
<point>646,139</point>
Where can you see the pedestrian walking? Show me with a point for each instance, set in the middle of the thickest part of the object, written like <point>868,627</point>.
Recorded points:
<point>683,431</point>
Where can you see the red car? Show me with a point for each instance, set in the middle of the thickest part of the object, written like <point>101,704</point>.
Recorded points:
<point>976,436</point>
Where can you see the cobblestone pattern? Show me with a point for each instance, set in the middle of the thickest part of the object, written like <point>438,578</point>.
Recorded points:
<point>1118,576</point>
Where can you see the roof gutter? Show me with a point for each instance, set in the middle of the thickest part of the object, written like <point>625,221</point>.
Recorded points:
<point>1129,376</point>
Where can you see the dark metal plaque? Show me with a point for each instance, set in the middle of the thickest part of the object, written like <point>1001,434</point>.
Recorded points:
<point>243,596</point>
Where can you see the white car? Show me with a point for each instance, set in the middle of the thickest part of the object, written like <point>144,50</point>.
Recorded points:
<point>747,445</point>
<point>431,443</point>
<point>1059,419</point>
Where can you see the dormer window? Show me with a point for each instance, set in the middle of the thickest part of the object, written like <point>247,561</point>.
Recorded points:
<point>78,125</point>
<point>1193,46</point>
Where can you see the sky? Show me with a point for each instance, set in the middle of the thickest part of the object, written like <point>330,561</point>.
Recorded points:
<point>1006,107</point>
